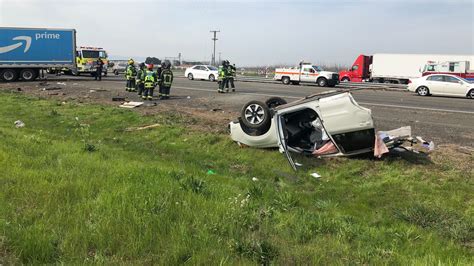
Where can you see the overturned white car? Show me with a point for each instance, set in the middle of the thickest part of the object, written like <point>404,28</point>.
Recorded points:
<point>321,125</point>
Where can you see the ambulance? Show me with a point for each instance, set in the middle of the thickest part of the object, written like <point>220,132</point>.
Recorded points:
<point>86,58</point>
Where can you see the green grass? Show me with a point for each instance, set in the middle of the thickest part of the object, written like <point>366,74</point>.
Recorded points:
<point>76,187</point>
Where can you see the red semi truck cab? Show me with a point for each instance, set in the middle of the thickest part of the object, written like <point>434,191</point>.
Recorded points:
<point>360,70</point>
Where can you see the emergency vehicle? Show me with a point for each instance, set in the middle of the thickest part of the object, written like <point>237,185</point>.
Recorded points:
<point>458,68</point>
<point>86,58</point>
<point>306,73</point>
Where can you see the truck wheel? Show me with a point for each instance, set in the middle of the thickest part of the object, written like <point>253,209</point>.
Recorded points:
<point>423,91</point>
<point>255,115</point>
<point>285,80</point>
<point>274,102</point>
<point>28,74</point>
<point>9,75</point>
<point>322,82</point>
<point>345,79</point>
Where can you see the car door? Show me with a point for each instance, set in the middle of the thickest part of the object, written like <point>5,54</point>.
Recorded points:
<point>282,144</point>
<point>198,72</point>
<point>435,84</point>
<point>454,86</point>
<point>308,74</point>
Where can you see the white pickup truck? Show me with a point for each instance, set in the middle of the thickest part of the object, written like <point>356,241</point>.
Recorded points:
<point>308,73</point>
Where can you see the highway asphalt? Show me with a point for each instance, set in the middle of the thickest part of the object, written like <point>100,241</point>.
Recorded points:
<point>441,119</point>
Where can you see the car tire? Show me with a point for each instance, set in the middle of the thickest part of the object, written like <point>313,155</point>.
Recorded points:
<point>105,74</point>
<point>286,80</point>
<point>322,82</point>
<point>212,78</point>
<point>423,91</point>
<point>116,72</point>
<point>470,94</point>
<point>256,115</point>
<point>345,79</point>
<point>274,102</point>
<point>190,76</point>
<point>28,74</point>
<point>9,75</point>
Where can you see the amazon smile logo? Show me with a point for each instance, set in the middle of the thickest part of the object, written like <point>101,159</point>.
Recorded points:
<point>27,42</point>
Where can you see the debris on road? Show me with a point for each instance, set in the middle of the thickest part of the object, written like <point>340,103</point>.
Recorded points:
<point>51,89</point>
<point>131,105</point>
<point>19,123</point>
<point>142,128</point>
<point>118,99</point>
<point>61,83</point>
<point>97,90</point>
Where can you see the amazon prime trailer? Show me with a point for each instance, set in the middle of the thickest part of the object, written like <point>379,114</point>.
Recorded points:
<point>24,52</point>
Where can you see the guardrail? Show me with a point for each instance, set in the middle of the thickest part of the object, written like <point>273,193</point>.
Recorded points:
<point>348,85</point>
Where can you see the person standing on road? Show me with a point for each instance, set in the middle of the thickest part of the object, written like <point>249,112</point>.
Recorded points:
<point>231,75</point>
<point>141,78</point>
<point>166,79</point>
<point>222,80</point>
<point>149,82</point>
<point>99,65</point>
<point>130,74</point>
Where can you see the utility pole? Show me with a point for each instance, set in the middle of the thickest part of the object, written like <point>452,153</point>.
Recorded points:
<point>214,52</point>
<point>219,57</point>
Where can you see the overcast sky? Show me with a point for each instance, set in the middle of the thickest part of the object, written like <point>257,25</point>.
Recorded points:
<point>256,32</point>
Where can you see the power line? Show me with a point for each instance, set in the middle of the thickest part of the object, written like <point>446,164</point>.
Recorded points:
<point>214,52</point>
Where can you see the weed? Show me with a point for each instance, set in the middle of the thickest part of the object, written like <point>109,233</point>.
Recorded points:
<point>195,185</point>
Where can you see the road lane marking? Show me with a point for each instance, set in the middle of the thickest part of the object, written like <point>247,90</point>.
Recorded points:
<point>418,108</point>
<point>362,103</point>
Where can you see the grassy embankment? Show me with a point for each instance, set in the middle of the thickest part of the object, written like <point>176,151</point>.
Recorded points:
<point>86,190</point>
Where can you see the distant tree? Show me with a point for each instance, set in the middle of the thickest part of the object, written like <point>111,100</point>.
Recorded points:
<point>152,60</point>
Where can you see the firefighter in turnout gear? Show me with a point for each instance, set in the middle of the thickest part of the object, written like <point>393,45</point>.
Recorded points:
<point>130,75</point>
<point>141,78</point>
<point>231,75</point>
<point>149,81</point>
<point>222,80</point>
<point>166,79</point>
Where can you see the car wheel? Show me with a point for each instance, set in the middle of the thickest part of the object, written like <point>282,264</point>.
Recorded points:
<point>9,75</point>
<point>255,115</point>
<point>212,78</point>
<point>116,72</point>
<point>274,102</point>
<point>285,80</point>
<point>345,79</point>
<point>105,74</point>
<point>28,74</point>
<point>470,94</point>
<point>322,82</point>
<point>423,91</point>
<point>190,76</point>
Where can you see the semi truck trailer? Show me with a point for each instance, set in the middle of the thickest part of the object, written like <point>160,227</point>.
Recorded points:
<point>24,52</point>
<point>394,68</point>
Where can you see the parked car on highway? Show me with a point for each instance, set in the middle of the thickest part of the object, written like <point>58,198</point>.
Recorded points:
<point>119,67</point>
<point>204,72</point>
<point>442,84</point>
<point>324,124</point>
